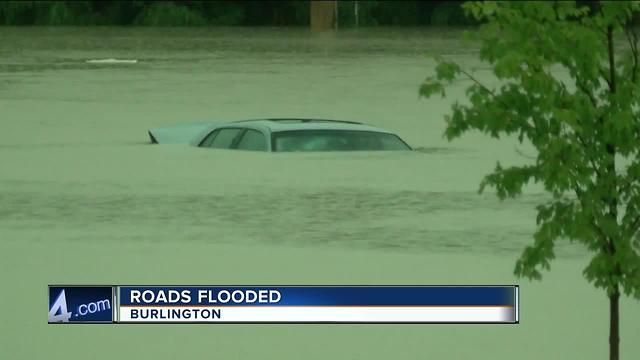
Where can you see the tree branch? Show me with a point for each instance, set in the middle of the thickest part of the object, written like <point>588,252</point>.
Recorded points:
<point>492,93</point>
<point>586,91</point>
<point>519,152</point>
<point>612,62</point>
<point>635,224</point>
<point>632,38</point>
<point>601,235</point>
<point>583,88</point>
<point>603,74</point>
<point>472,78</point>
<point>591,160</point>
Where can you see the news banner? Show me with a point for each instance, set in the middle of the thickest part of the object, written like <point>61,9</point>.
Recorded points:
<point>283,304</point>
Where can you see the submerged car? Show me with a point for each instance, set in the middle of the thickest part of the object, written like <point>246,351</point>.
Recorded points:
<point>282,135</point>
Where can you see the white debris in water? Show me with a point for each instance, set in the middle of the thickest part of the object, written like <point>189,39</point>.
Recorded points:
<point>112,61</point>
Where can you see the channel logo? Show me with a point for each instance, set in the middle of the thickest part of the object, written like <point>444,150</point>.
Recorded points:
<point>81,304</point>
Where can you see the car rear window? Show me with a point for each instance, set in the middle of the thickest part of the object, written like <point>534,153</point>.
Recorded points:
<point>336,140</point>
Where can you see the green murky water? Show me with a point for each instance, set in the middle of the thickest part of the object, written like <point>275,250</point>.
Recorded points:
<point>84,198</point>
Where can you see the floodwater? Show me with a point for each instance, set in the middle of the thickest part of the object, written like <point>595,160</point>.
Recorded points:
<point>85,199</point>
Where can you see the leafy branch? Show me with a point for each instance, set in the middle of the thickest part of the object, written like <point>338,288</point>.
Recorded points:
<point>632,38</point>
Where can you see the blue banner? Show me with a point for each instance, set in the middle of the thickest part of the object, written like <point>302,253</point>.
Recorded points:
<point>318,295</point>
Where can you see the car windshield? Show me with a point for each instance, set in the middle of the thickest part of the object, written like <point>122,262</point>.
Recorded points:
<point>336,140</point>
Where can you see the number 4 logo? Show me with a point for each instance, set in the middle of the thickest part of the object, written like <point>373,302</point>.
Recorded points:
<point>58,311</point>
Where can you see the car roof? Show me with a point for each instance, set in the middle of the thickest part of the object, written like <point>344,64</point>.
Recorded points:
<point>288,124</point>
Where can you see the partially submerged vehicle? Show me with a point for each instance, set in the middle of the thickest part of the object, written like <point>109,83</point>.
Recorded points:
<point>281,135</point>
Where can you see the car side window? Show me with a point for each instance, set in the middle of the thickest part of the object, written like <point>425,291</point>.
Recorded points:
<point>207,140</point>
<point>224,138</point>
<point>252,140</point>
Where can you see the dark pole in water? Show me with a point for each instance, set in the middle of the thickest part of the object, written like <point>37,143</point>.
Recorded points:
<point>335,15</point>
<point>355,10</point>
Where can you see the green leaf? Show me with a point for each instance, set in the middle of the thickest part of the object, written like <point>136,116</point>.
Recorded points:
<point>430,87</point>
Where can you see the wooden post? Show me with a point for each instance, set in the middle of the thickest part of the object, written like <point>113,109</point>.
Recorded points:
<point>323,15</point>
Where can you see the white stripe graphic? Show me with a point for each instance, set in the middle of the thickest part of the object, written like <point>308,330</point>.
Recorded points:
<point>276,314</point>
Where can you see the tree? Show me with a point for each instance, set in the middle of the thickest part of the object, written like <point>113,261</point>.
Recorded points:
<point>583,123</point>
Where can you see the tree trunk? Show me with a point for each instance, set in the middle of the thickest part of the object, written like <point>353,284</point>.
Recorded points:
<point>322,15</point>
<point>614,326</point>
